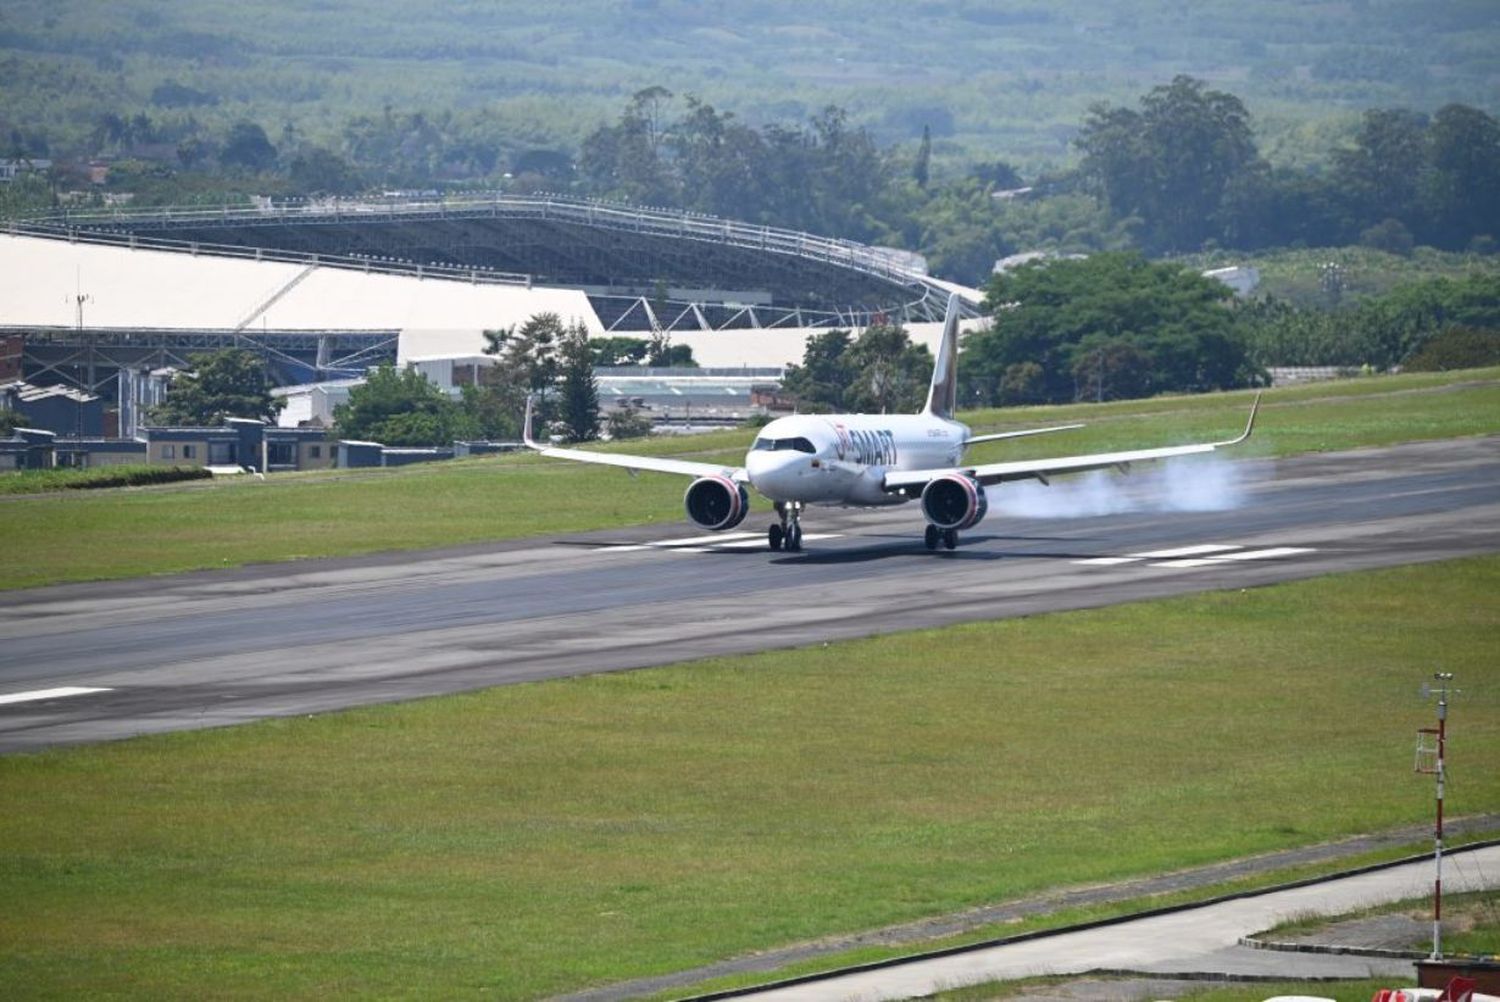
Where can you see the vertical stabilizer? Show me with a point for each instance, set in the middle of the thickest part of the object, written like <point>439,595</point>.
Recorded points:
<point>942,398</point>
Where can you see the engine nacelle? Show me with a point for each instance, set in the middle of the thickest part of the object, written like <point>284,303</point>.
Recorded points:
<point>954,501</point>
<point>716,502</point>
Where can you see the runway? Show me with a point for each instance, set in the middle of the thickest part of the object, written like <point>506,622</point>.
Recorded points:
<point>83,663</point>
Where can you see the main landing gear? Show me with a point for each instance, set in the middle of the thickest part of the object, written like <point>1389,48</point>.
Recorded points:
<point>947,538</point>
<point>787,534</point>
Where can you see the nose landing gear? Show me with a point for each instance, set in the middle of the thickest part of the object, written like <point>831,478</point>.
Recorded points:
<point>787,534</point>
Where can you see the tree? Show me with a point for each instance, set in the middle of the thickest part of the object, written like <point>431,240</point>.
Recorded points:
<point>822,379</point>
<point>578,391</point>
<point>922,169</point>
<point>1461,190</point>
<point>879,372</point>
<point>1109,325</point>
<point>399,408</point>
<point>223,384</point>
<point>317,171</point>
<point>528,359</point>
<point>1380,174</point>
<point>624,160</point>
<point>627,422</point>
<point>619,350</point>
<point>1389,235</point>
<point>1171,161</point>
<point>890,374</point>
<point>248,147</point>
<point>492,410</point>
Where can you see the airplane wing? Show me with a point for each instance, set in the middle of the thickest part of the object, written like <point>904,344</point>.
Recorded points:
<point>653,464</point>
<point>1041,469</point>
<point>998,436</point>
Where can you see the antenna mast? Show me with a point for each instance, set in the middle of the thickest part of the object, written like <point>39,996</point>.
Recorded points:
<point>1431,751</point>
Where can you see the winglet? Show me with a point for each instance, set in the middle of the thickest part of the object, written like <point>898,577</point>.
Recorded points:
<point>1249,425</point>
<point>526,427</point>
<point>942,397</point>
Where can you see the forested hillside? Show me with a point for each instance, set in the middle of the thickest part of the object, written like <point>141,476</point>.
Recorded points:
<point>966,131</point>
<point>1011,80</point>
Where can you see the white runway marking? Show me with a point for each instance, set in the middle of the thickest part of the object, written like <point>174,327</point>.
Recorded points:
<point>1271,554</point>
<point>665,544</point>
<point>1187,551</point>
<point>1181,551</point>
<point>67,690</point>
<point>1203,555</point>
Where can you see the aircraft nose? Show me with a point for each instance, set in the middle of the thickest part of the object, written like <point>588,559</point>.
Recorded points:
<point>775,474</point>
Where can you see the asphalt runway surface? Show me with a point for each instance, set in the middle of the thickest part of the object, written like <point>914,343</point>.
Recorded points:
<point>94,662</point>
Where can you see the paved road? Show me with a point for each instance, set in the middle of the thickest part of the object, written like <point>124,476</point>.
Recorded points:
<point>1196,940</point>
<point>223,647</point>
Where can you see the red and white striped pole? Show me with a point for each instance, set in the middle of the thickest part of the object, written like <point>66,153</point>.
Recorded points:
<point>1443,679</point>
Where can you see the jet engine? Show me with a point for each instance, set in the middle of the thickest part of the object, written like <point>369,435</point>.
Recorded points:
<point>716,502</point>
<point>954,501</point>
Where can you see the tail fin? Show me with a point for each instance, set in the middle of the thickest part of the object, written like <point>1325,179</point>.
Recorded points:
<point>942,398</point>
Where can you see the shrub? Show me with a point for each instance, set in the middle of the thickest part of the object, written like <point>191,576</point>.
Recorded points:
<point>1456,348</point>
<point>40,481</point>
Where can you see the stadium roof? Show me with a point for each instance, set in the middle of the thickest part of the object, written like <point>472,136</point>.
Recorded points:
<point>40,278</point>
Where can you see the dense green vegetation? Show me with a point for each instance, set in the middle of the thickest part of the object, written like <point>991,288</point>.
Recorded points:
<point>879,372</point>
<point>1383,331</point>
<point>495,83</point>
<point>531,839</point>
<point>125,475</point>
<point>1322,125</point>
<point>291,516</point>
<point>1116,326</point>
<point>1106,327</point>
<point>542,357</point>
<point>222,384</point>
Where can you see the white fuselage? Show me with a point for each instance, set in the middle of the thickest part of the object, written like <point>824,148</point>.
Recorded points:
<point>842,459</point>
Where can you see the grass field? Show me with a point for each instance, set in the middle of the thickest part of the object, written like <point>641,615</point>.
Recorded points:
<point>531,839</point>
<point>120,533</point>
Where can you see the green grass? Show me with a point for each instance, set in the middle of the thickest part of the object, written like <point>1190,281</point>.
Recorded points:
<point>122,533</point>
<point>531,839</point>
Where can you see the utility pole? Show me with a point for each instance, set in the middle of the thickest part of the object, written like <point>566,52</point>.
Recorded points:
<point>86,383</point>
<point>1431,753</point>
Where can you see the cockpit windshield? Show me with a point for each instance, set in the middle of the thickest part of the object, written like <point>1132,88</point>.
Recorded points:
<point>779,444</point>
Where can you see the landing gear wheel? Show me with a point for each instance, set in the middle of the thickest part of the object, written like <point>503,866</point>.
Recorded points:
<point>932,536</point>
<point>787,535</point>
<point>950,538</point>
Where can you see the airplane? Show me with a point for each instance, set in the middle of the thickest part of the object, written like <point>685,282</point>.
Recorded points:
<point>870,460</point>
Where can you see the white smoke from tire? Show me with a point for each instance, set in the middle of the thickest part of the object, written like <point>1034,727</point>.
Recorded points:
<point>1188,483</point>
